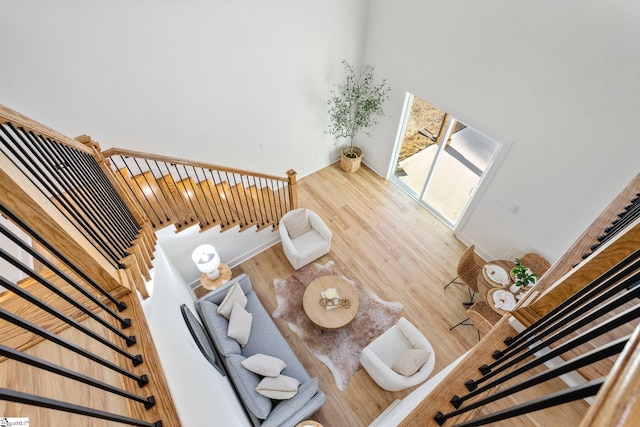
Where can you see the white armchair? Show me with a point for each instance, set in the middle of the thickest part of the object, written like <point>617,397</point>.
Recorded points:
<point>305,237</point>
<point>382,353</point>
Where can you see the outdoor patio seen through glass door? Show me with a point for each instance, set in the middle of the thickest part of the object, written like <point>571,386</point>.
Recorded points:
<point>440,160</point>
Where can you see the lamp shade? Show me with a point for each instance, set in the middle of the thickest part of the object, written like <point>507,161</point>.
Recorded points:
<point>206,258</point>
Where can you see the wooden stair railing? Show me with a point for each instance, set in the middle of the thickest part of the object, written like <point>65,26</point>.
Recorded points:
<point>73,178</point>
<point>617,402</point>
<point>77,334</point>
<point>615,383</point>
<point>503,377</point>
<point>172,191</point>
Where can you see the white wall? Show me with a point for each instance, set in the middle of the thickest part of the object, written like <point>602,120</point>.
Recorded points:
<point>199,392</point>
<point>245,84</point>
<point>558,80</point>
<point>232,246</point>
<point>239,83</point>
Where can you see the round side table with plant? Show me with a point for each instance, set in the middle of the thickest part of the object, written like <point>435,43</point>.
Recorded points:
<point>354,106</point>
<point>522,277</point>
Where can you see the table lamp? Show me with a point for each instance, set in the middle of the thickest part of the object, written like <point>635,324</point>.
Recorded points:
<point>207,260</point>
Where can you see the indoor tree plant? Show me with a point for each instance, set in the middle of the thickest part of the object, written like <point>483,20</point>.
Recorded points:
<point>355,106</point>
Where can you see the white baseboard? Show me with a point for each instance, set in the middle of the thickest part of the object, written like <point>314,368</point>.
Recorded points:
<point>254,251</point>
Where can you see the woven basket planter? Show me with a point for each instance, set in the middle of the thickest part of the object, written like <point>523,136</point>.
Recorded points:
<point>351,164</point>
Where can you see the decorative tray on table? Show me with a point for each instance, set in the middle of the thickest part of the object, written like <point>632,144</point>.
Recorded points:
<point>497,274</point>
<point>330,299</point>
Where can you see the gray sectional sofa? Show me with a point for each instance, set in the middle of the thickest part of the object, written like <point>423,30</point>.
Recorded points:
<point>265,338</point>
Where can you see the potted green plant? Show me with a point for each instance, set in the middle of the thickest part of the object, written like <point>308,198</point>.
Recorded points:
<point>523,277</point>
<point>354,106</point>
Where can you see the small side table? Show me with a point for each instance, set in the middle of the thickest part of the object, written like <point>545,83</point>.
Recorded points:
<point>223,277</point>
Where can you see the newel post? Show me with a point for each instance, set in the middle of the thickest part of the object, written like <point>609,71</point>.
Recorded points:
<point>293,191</point>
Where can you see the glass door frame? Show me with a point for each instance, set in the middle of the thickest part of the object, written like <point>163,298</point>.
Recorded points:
<point>451,118</point>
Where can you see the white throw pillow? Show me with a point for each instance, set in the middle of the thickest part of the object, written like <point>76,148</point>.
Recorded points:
<point>281,387</point>
<point>411,361</point>
<point>265,365</point>
<point>240,324</point>
<point>235,294</point>
<point>297,223</point>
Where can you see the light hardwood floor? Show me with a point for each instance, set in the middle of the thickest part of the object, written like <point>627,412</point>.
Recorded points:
<point>392,245</point>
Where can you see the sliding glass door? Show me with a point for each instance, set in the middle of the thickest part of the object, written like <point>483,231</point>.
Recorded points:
<point>440,160</point>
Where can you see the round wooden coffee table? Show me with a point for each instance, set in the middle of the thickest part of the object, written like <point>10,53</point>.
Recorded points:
<point>335,318</point>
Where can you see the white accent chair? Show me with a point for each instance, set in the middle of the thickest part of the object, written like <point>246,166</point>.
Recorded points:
<point>379,356</point>
<point>305,237</point>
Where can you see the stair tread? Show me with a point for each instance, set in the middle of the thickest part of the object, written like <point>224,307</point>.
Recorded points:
<point>185,201</point>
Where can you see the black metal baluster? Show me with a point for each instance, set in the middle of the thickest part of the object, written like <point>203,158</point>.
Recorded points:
<point>604,327</point>
<point>255,200</point>
<point>116,224</point>
<point>134,225</point>
<point>554,399</point>
<point>258,202</point>
<point>155,178</point>
<point>273,203</point>
<point>233,199</point>
<point>224,199</point>
<point>118,206</point>
<point>130,340</point>
<point>186,193</point>
<point>47,184</point>
<point>629,215</point>
<point>595,355</point>
<point>590,301</point>
<point>626,217</point>
<point>238,197</point>
<point>136,360</point>
<point>27,359</point>
<point>11,216</point>
<point>44,402</point>
<point>141,380</point>
<point>150,211</point>
<point>190,182</point>
<point>250,208</point>
<point>280,198</point>
<point>216,196</point>
<point>124,323</point>
<point>206,202</point>
<point>178,218</point>
<point>615,273</point>
<point>188,212</point>
<point>126,181</point>
<point>146,180</point>
<point>60,167</point>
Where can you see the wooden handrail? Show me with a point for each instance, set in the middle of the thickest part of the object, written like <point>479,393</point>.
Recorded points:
<point>573,255</point>
<point>564,267</point>
<point>20,195</point>
<point>131,153</point>
<point>618,401</point>
<point>619,248</point>
<point>7,115</point>
<point>180,192</point>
